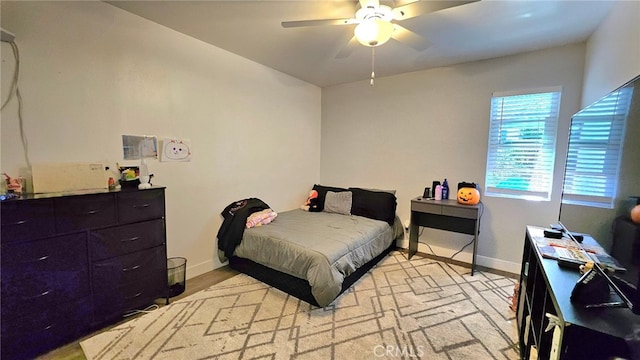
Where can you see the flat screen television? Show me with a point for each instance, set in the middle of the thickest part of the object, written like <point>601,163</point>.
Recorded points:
<point>592,203</point>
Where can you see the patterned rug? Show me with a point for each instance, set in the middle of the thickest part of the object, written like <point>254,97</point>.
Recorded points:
<point>399,310</point>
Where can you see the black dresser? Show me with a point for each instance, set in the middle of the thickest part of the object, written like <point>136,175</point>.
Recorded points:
<point>75,262</point>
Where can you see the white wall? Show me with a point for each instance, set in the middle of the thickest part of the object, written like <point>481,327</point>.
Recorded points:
<point>91,72</point>
<point>613,52</point>
<point>403,111</point>
<point>411,129</point>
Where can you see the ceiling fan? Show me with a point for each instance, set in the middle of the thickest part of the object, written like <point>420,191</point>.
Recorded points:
<point>376,23</point>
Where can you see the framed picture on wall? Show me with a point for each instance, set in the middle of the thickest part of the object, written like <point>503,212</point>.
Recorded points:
<point>136,147</point>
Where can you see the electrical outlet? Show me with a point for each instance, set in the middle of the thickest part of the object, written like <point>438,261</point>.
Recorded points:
<point>407,223</point>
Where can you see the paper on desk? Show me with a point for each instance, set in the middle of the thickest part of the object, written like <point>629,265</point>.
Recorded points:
<point>567,248</point>
<point>547,245</point>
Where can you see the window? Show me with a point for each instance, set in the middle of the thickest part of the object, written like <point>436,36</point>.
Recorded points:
<point>522,138</point>
<point>595,146</point>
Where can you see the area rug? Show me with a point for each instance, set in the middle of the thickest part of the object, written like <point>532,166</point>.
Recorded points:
<point>400,309</point>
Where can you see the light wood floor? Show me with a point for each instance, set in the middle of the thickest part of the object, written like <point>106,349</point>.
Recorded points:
<point>73,351</point>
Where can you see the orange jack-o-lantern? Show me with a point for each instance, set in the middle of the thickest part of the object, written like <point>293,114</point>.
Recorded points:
<point>635,214</point>
<point>468,196</point>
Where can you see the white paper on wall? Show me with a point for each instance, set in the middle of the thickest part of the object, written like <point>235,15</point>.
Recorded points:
<point>176,150</point>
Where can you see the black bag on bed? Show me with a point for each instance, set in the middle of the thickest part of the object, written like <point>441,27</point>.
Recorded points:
<point>235,219</point>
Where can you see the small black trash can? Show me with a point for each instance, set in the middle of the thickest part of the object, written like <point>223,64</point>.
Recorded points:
<point>176,273</point>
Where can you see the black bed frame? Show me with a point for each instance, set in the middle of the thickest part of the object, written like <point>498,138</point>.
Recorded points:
<point>293,285</point>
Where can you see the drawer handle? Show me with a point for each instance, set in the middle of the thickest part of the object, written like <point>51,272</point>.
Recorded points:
<point>141,206</point>
<point>43,258</point>
<point>20,222</point>
<point>92,212</point>
<point>37,296</point>
<point>134,296</point>
<point>130,239</point>
<point>131,268</point>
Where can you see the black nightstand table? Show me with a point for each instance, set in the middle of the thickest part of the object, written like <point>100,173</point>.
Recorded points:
<point>444,215</point>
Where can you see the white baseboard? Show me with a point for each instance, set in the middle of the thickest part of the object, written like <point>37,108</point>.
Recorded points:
<point>498,264</point>
<point>465,256</point>
<point>199,269</point>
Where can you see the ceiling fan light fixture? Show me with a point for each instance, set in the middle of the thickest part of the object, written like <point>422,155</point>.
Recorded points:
<point>373,32</point>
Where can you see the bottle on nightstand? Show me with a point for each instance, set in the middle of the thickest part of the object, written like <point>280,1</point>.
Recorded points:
<point>438,193</point>
<point>445,190</point>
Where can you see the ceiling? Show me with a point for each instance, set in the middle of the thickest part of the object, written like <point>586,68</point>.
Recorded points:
<point>475,31</point>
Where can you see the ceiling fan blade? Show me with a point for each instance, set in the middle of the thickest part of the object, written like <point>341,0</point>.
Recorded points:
<point>348,48</point>
<point>321,22</point>
<point>418,8</point>
<point>410,38</point>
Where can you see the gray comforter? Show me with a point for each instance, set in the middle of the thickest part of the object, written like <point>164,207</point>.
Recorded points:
<point>321,247</point>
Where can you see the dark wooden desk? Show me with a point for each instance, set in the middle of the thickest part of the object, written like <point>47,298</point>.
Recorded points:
<point>545,288</point>
<point>444,215</point>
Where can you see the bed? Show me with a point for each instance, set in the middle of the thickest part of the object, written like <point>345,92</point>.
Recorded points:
<point>317,255</point>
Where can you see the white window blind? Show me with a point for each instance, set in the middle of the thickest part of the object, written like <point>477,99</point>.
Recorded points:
<point>522,138</point>
<point>595,146</point>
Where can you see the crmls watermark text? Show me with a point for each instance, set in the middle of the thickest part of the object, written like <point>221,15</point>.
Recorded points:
<point>395,351</point>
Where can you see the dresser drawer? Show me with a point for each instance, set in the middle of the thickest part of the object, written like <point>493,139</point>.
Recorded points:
<point>466,213</point>
<point>24,220</point>
<point>38,332</point>
<point>129,282</point>
<point>81,212</point>
<point>140,205</point>
<point>125,239</point>
<point>38,274</point>
<point>54,316</point>
<point>426,207</point>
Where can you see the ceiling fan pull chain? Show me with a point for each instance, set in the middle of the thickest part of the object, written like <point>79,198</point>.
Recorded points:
<point>373,74</point>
